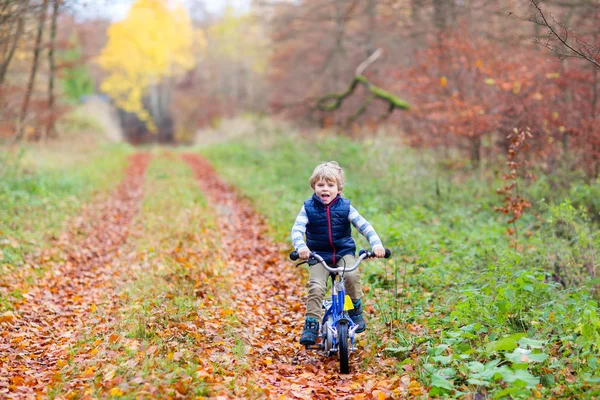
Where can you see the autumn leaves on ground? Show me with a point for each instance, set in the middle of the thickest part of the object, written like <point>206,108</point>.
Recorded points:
<point>169,287</point>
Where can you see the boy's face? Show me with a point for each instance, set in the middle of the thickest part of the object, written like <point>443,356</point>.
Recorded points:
<point>326,190</point>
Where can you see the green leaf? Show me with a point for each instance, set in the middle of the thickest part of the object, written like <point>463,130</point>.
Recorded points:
<point>478,382</point>
<point>538,357</point>
<point>531,343</point>
<point>508,343</point>
<point>508,391</point>
<point>521,356</point>
<point>447,372</point>
<point>441,382</point>
<point>501,304</point>
<point>476,366</point>
<point>519,377</point>
<point>548,380</point>
<point>398,350</point>
<point>591,380</point>
<point>443,359</point>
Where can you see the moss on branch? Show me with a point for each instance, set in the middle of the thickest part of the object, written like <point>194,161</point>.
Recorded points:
<point>333,101</point>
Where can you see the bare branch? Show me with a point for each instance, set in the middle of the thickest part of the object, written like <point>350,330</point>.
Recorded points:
<point>585,50</point>
<point>363,65</point>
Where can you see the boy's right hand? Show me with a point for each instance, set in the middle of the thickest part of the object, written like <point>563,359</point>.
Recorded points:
<point>304,253</point>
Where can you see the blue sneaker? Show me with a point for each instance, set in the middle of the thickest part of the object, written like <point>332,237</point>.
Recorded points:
<point>357,317</point>
<point>310,333</point>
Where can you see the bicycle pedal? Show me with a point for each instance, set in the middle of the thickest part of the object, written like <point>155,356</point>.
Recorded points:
<point>314,347</point>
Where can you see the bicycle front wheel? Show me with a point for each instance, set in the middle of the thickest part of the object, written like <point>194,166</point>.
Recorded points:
<point>343,350</point>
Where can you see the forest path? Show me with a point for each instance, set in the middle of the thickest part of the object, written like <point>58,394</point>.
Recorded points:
<point>36,338</point>
<point>153,293</point>
<point>269,302</point>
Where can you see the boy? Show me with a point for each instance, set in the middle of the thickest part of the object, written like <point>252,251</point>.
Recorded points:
<point>325,219</point>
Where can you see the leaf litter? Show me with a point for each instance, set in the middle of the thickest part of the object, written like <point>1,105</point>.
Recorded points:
<point>69,337</point>
<point>36,336</point>
<point>269,302</point>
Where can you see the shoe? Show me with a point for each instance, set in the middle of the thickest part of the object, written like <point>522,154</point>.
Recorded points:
<point>357,317</point>
<point>310,333</point>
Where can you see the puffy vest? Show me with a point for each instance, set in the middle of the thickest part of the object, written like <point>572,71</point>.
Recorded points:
<point>328,232</point>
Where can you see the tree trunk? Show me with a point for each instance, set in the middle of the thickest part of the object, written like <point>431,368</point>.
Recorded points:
<point>339,35</point>
<point>475,150</point>
<point>52,73</point>
<point>372,16</point>
<point>15,42</point>
<point>440,15</point>
<point>34,67</point>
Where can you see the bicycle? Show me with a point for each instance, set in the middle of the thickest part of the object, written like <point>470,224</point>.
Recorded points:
<point>337,328</point>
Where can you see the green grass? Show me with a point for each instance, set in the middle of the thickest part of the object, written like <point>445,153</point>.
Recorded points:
<point>39,189</point>
<point>457,292</point>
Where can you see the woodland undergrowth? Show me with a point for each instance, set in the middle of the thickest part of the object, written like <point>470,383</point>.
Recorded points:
<point>460,306</point>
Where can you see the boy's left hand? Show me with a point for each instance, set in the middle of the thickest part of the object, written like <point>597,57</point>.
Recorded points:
<point>379,251</point>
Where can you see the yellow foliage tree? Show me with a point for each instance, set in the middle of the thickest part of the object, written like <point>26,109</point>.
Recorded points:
<point>154,42</point>
<point>241,39</point>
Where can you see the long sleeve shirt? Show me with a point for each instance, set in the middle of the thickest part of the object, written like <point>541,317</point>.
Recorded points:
<point>357,220</point>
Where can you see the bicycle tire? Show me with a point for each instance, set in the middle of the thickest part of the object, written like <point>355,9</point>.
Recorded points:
<point>327,337</point>
<point>343,350</point>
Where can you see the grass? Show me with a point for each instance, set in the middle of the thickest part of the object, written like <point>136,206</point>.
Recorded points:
<point>40,189</point>
<point>456,293</point>
<point>172,291</point>
<point>37,194</point>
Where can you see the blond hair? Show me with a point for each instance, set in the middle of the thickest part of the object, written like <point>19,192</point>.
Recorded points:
<point>329,171</point>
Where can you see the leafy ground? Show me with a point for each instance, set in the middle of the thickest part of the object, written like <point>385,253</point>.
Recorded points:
<point>163,293</point>
<point>48,317</point>
<point>462,312</point>
<point>170,283</point>
<point>42,189</point>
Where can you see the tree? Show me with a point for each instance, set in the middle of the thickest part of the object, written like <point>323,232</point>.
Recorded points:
<point>76,78</point>
<point>144,54</point>
<point>49,129</point>
<point>12,23</point>
<point>562,39</point>
<point>238,51</point>
<point>34,68</point>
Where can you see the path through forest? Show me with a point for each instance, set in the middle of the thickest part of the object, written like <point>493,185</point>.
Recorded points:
<point>35,340</point>
<point>269,299</point>
<point>239,338</point>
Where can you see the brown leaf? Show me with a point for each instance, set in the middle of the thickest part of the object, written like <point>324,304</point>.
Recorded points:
<point>9,317</point>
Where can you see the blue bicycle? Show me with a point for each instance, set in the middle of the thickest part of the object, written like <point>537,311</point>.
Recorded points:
<point>337,328</point>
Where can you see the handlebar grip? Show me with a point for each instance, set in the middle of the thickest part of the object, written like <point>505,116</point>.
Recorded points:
<point>294,255</point>
<point>370,254</point>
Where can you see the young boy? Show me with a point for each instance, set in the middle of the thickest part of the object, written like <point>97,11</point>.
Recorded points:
<point>325,219</point>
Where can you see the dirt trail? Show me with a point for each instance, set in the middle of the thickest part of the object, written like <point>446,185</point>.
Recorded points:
<point>270,303</point>
<point>50,318</point>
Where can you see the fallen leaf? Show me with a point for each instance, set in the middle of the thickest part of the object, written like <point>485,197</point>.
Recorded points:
<point>9,317</point>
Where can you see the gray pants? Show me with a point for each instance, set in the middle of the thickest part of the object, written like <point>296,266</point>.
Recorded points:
<point>317,286</point>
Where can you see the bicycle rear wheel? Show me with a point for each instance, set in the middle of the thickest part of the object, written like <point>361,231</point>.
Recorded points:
<point>343,350</point>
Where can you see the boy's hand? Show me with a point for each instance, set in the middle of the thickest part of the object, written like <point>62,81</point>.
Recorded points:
<point>304,253</point>
<point>379,251</point>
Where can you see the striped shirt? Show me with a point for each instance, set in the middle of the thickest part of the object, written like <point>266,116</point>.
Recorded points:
<point>361,224</point>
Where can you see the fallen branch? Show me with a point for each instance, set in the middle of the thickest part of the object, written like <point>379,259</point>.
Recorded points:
<point>333,101</point>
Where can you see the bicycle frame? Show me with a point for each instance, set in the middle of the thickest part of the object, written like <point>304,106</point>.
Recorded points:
<point>337,328</point>
<point>336,310</point>
<point>337,313</point>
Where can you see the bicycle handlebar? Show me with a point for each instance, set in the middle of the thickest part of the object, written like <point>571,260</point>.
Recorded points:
<point>361,256</point>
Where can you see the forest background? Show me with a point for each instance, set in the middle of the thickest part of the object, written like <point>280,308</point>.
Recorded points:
<point>468,129</point>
